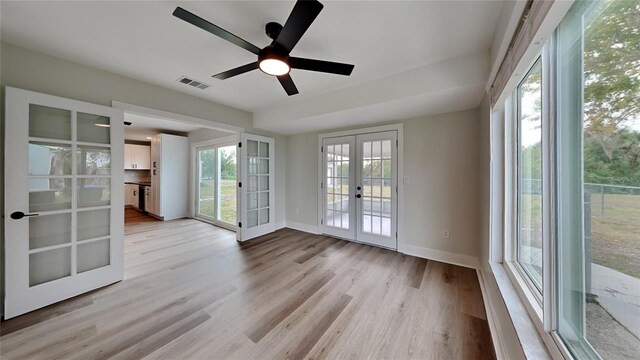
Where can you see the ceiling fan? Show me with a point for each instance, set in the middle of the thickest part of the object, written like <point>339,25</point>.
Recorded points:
<point>274,58</point>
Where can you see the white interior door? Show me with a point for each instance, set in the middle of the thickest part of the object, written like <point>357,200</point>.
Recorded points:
<point>359,188</point>
<point>257,211</point>
<point>64,199</point>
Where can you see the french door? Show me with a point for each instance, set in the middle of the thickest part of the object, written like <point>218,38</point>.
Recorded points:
<point>359,188</point>
<point>256,185</point>
<point>64,205</point>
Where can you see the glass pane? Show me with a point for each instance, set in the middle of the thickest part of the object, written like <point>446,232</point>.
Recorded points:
<point>252,148</point>
<point>50,123</point>
<point>264,199</point>
<point>206,182</point>
<point>330,202</point>
<point>93,255</point>
<point>252,200</point>
<point>93,128</point>
<point>599,233</point>
<point>376,150</point>
<point>329,218</point>
<point>264,166</point>
<point>49,194</point>
<point>264,216</point>
<point>264,182</point>
<point>530,175</point>
<point>386,149</point>
<point>253,165</point>
<point>49,265</point>
<point>94,192</point>
<point>252,218</point>
<point>94,223</point>
<point>49,159</point>
<point>48,230</point>
<point>93,160</point>
<point>264,150</point>
<point>227,161</point>
<point>253,183</point>
<point>386,226</point>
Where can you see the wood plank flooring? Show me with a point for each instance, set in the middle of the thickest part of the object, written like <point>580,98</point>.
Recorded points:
<point>192,292</point>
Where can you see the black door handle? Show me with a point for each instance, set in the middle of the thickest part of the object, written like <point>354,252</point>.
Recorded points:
<point>358,188</point>
<point>17,215</point>
<point>358,196</point>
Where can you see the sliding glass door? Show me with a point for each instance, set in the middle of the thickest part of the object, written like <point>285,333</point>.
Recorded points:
<point>216,183</point>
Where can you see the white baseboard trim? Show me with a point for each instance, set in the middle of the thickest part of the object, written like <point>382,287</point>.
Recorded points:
<point>303,227</point>
<point>280,225</point>
<point>439,255</point>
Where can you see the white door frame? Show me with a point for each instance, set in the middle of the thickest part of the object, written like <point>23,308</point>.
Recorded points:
<point>191,120</point>
<point>19,296</point>
<point>400,196</point>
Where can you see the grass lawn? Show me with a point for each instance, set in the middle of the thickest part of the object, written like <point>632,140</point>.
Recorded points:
<point>227,200</point>
<point>615,237</point>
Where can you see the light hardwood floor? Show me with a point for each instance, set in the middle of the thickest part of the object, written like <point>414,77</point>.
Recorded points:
<point>192,292</point>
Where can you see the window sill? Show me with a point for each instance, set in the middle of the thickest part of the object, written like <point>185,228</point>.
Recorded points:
<point>530,340</point>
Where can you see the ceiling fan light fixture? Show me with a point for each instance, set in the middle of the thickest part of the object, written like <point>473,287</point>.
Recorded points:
<point>275,67</point>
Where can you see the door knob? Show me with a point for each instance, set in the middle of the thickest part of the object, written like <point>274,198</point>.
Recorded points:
<point>17,215</point>
<point>358,196</point>
<point>358,188</point>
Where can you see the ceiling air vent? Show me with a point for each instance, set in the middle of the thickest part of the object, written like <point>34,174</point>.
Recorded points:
<point>194,83</point>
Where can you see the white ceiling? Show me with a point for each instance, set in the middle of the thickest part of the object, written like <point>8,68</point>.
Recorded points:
<point>142,40</point>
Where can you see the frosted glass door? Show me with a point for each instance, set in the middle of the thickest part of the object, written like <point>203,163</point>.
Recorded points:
<point>257,185</point>
<point>64,229</point>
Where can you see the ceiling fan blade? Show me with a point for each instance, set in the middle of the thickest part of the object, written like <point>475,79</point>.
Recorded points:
<point>321,65</point>
<point>303,14</point>
<point>237,71</point>
<point>196,20</point>
<point>287,84</point>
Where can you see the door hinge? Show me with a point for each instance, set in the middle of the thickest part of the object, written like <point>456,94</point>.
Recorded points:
<point>321,186</point>
<point>396,142</point>
<point>321,148</point>
<point>240,184</point>
<point>240,144</point>
<point>321,221</point>
<point>239,224</point>
<point>396,234</point>
<point>396,189</point>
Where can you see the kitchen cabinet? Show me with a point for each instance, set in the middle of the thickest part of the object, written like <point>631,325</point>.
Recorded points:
<point>137,157</point>
<point>131,195</point>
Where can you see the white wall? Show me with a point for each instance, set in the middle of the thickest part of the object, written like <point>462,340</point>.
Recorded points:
<point>30,70</point>
<point>206,134</point>
<point>441,161</point>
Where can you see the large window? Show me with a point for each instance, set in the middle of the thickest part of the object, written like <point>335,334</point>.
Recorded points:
<point>598,176</point>
<point>573,125</point>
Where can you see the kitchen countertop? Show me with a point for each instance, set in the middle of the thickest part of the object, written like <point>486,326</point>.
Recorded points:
<point>142,183</point>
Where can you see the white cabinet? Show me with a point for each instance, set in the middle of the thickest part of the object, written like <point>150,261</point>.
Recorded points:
<point>148,199</point>
<point>169,176</point>
<point>137,157</point>
<point>131,195</point>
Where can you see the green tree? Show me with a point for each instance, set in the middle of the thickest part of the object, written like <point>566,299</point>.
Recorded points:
<point>612,93</point>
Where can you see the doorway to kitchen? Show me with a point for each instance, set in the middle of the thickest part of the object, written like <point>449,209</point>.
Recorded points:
<point>216,177</point>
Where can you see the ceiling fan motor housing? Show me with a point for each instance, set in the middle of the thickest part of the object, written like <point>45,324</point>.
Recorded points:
<point>273,30</point>
<point>271,52</point>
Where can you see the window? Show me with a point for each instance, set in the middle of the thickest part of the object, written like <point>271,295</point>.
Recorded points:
<point>529,198</point>
<point>598,167</point>
<point>573,183</point>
